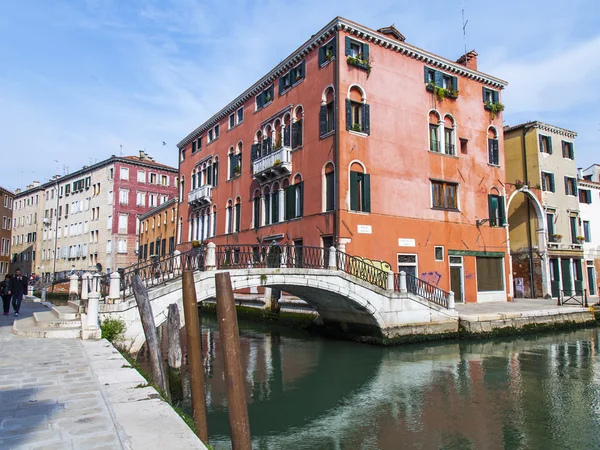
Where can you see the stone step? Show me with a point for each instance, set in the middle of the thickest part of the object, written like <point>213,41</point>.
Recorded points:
<point>27,327</point>
<point>66,312</point>
<point>75,304</point>
<point>48,319</point>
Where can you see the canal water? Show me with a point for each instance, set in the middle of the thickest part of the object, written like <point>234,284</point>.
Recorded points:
<point>308,392</point>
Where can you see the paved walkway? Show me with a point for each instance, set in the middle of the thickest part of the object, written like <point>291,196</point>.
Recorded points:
<point>517,306</point>
<point>73,394</point>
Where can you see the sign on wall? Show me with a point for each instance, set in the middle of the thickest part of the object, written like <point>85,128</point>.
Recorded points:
<point>365,229</point>
<point>404,242</point>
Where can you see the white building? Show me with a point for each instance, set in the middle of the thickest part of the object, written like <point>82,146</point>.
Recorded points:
<point>589,207</point>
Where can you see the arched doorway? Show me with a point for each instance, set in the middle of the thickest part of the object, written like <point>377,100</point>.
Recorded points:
<point>528,244</point>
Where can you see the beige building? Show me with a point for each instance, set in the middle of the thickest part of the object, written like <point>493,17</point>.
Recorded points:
<point>545,231</point>
<point>158,230</point>
<point>6,214</point>
<point>28,207</point>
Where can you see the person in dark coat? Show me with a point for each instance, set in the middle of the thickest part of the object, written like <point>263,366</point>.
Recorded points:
<point>18,288</point>
<point>5,293</point>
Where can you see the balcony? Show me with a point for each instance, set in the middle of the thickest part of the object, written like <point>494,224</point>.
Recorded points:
<point>274,164</point>
<point>201,195</point>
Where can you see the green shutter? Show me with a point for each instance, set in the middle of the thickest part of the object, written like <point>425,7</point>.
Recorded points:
<point>549,144</point>
<point>348,114</point>
<point>281,84</point>
<point>566,185</point>
<point>323,120</point>
<point>541,139</point>
<point>334,45</point>
<point>303,66</point>
<point>484,91</point>
<point>348,45</point>
<point>275,207</point>
<point>492,206</point>
<point>301,196</point>
<point>365,51</point>
<point>576,188</point>
<point>329,194</point>
<point>495,96</point>
<point>322,55</point>
<point>366,118</point>
<point>366,192</point>
<point>552,186</point>
<point>289,202</point>
<point>354,191</point>
<point>454,83</point>
<point>439,78</point>
<point>502,211</point>
<point>427,74</point>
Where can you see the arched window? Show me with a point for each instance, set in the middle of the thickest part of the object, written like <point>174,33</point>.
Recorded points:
<point>360,188</point>
<point>194,180</point>
<point>256,209</point>
<point>275,195</point>
<point>326,114</point>
<point>214,221</point>
<point>496,208</point>
<point>266,206</point>
<point>298,196</point>
<point>182,188</point>
<point>434,134</point>
<point>278,135</point>
<point>358,113</point>
<point>287,129</point>
<point>449,135</point>
<point>329,187</point>
<point>493,151</point>
<point>215,172</point>
<point>237,215</point>
<point>297,127</point>
<point>229,217</point>
<point>230,163</point>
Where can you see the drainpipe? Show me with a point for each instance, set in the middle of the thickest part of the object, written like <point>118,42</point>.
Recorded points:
<point>336,142</point>
<point>529,238</point>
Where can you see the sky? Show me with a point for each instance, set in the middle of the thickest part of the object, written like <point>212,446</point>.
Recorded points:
<point>81,80</point>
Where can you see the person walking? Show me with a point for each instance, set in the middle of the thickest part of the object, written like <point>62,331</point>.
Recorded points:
<point>5,293</point>
<point>18,287</point>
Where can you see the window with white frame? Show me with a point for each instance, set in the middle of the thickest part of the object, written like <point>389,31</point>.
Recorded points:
<point>108,246</point>
<point>124,173</point>
<point>122,246</point>
<point>109,222</point>
<point>141,176</point>
<point>141,199</point>
<point>124,196</point>
<point>408,263</point>
<point>123,223</point>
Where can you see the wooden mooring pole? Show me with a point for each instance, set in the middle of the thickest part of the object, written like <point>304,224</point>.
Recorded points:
<point>143,302</point>
<point>196,369</point>
<point>234,378</point>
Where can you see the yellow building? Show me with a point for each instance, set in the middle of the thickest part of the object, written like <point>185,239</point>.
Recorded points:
<point>158,230</point>
<point>543,211</point>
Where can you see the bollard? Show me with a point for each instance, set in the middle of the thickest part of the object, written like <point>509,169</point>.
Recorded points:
<point>44,294</point>
<point>174,344</point>
<point>115,285</point>
<point>74,286</point>
<point>402,283</point>
<point>211,256</point>
<point>194,351</point>
<point>450,300</point>
<point>332,263</point>
<point>85,286</point>
<point>92,310</point>
<point>96,282</point>
<point>390,281</point>
<point>234,377</point>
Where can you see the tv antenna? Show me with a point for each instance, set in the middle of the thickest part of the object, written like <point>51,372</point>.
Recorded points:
<point>464,26</point>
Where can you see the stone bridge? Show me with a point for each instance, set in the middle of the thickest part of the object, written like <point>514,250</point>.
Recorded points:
<point>351,295</point>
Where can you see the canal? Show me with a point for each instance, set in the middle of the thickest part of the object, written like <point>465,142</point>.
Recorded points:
<point>308,392</point>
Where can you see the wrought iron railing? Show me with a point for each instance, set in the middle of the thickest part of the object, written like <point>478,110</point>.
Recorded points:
<point>423,289</point>
<point>269,256</point>
<point>362,270</point>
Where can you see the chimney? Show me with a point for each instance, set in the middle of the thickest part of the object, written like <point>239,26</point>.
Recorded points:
<point>35,184</point>
<point>469,60</point>
<point>18,191</point>
<point>580,173</point>
<point>143,155</point>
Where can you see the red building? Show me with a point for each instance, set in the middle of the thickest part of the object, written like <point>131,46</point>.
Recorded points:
<point>361,140</point>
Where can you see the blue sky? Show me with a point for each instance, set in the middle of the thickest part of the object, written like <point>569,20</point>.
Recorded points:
<point>80,78</point>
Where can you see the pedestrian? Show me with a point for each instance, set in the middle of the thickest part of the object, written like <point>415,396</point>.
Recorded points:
<point>18,287</point>
<point>5,293</point>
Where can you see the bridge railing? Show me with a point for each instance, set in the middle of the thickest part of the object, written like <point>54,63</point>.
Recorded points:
<point>270,256</point>
<point>423,289</point>
<point>362,270</point>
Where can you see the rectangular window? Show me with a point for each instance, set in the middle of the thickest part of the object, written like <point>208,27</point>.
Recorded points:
<point>231,121</point>
<point>327,52</point>
<point>240,115</point>
<point>444,195</point>
<point>122,246</point>
<point>238,218</point>
<point>548,182</point>
<point>585,196</point>
<point>493,153</point>
<point>358,117</point>
<point>497,211</point>
<point>490,274</point>
<point>587,233</point>
<point>124,173</point>
<point>210,136</point>
<point>571,186</point>
<point>360,192</point>
<point>123,223</point>
<point>439,253</point>
<point>141,176</point>
<point>265,97</point>
<point>573,229</point>
<point>550,227</point>
<point>109,222</point>
<point>123,196</point>
<point>545,144</point>
<point>141,199</point>
<point>435,78</point>
<point>567,150</point>
<point>108,246</point>
<point>407,263</point>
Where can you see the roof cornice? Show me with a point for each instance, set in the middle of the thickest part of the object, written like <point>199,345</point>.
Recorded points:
<point>320,37</point>
<point>7,191</point>
<point>159,208</point>
<point>543,127</point>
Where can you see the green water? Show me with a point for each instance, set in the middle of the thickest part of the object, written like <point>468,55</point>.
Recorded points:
<point>307,392</point>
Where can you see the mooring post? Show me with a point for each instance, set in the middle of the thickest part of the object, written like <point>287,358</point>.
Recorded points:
<point>234,378</point>
<point>92,310</point>
<point>450,300</point>
<point>115,286</point>
<point>390,281</point>
<point>210,262</point>
<point>85,286</point>
<point>194,351</point>
<point>145,309</point>
<point>402,282</point>
<point>174,343</point>
<point>74,286</point>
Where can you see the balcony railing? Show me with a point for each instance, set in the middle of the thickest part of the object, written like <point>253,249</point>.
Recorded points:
<point>276,163</point>
<point>201,195</point>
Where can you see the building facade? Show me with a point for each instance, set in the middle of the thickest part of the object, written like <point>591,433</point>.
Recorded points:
<point>589,205</point>
<point>545,236</point>
<point>321,152</point>
<point>6,215</point>
<point>28,207</point>
<point>88,218</point>
<point>158,230</point>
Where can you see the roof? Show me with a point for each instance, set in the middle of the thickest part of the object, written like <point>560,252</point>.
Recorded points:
<point>588,183</point>
<point>544,127</point>
<point>159,208</point>
<point>138,160</point>
<point>316,40</point>
<point>6,191</point>
<point>392,31</point>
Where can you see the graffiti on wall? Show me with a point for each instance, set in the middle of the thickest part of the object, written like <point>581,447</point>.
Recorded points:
<point>431,277</point>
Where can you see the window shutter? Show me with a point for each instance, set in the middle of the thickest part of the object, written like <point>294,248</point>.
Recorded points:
<point>292,75</point>
<point>564,149</point>
<point>275,207</point>
<point>484,91</point>
<point>348,114</point>
<point>321,55</point>
<point>299,126</point>
<point>347,45</point>
<point>495,96</point>
<point>354,191</point>
<point>303,66</point>
<point>502,212</point>
<point>237,218</point>
<point>576,188</point>
<point>366,192</point>
<point>567,185</point>
<point>543,182</point>
<point>492,209</point>
<point>281,84</point>
<point>552,186</point>
<point>541,139</point>
<point>301,195</point>
<point>427,75</point>
<point>286,136</point>
<point>365,51</point>
<point>216,174</point>
<point>490,150</point>
<point>496,152</point>
<point>323,120</point>
<point>366,118</point>
<point>193,146</point>
<point>329,194</point>
<point>454,83</point>
<point>549,144</point>
<point>289,202</point>
<point>254,152</point>
<point>439,78</point>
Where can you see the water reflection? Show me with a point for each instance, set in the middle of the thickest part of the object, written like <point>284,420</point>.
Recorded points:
<point>306,392</point>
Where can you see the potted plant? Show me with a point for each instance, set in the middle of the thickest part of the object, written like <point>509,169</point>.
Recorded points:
<point>494,108</point>
<point>519,184</point>
<point>267,97</point>
<point>195,244</point>
<point>236,170</point>
<point>277,162</point>
<point>556,237</point>
<point>329,56</point>
<point>357,127</point>
<point>581,239</point>
<point>360,62</point>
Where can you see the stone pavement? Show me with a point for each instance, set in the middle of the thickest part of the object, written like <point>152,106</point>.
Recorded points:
<point>73,394</point>
<point>519,305</point>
